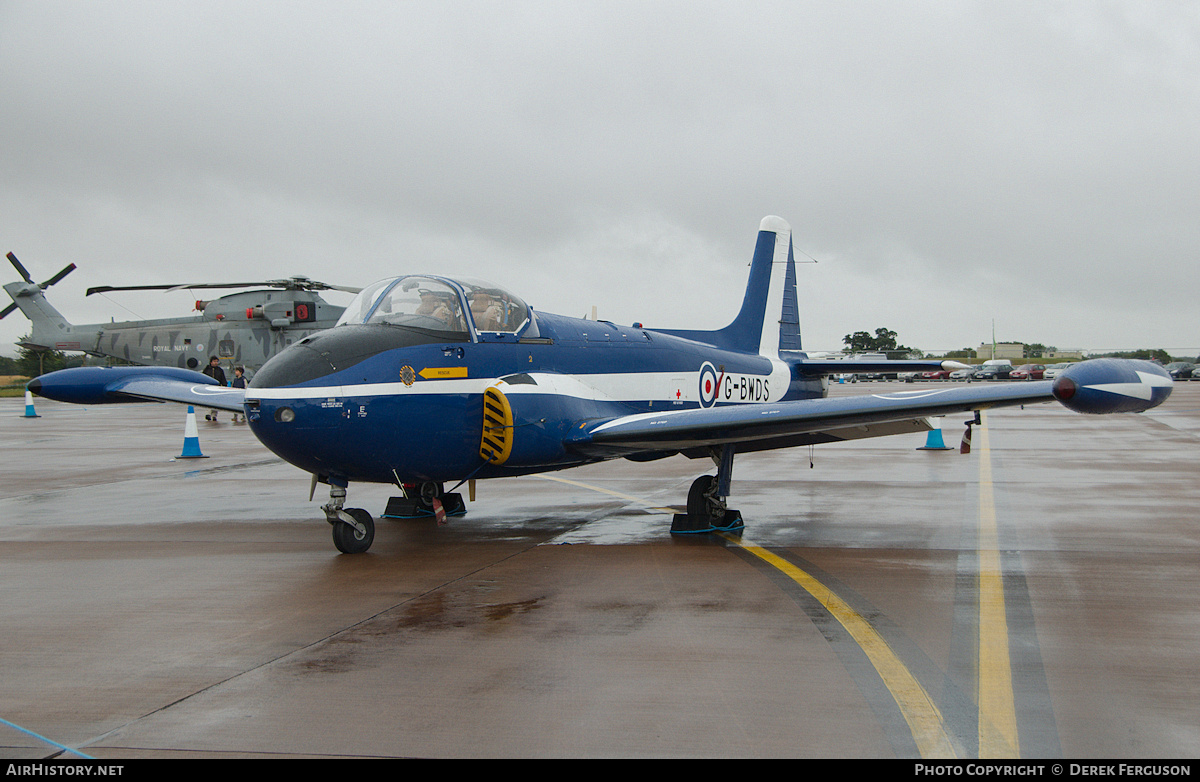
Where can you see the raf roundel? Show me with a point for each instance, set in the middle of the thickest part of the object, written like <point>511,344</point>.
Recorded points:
<point>708,384</point>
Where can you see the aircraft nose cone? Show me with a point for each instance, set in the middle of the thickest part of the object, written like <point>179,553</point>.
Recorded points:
<point>35,386</point>
<point>1064,388</point>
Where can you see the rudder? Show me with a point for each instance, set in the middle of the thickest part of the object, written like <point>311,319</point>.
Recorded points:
<point>771,288</point>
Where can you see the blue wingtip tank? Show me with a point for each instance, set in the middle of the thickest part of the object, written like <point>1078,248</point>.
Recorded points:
<point>1109,385</point>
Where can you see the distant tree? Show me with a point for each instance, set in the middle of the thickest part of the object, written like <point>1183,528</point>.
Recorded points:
<point>859,342</point>
<point>32,362</point>
<point>862,342</point>
<point>964,353</point>
<point>1151,354</point>
<point>886,339</point>
<point>1033,350</point>
<point>883,341</point>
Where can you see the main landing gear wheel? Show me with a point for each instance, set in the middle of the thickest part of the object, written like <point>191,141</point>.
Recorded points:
<point>701,503</point>
<point>351,540</point>
<point>706,512</point>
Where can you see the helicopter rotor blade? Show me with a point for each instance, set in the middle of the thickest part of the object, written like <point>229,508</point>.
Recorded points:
<point>7,310</point>
<point>302,283</point>
<point>56,278</point>
<point>168,288</point>
<point>185,286</point>
<point>20,269</point>
<point>107,288</point>
<point>298,282</point>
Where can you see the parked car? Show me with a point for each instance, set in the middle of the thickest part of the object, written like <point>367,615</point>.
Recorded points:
<point>967,374</point>
<point>1054,370</point>
<point>1181,369</point>
<point>941,374</point>
<point>997,369</point>
<point>1027,372</point>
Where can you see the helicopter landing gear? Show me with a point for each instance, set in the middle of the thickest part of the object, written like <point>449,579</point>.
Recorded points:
<point>353,528</point>
<point>706,508</point>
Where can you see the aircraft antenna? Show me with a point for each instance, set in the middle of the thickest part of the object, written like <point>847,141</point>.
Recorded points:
<point>122,306</point>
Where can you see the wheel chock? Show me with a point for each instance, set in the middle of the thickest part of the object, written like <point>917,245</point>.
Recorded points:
<point>405,508</point>
<point>683,524</point>
<point>732,522</point>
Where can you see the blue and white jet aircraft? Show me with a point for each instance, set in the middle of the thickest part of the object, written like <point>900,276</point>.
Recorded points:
<point>427,379</point>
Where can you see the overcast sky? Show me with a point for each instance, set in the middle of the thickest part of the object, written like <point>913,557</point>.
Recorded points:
<point>947,164</point>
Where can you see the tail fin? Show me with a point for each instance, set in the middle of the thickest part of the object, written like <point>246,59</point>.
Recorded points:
<point>50,329</point>
<point>771,289</point>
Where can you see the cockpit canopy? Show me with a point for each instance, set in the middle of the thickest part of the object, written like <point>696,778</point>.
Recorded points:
<point>438,304</point>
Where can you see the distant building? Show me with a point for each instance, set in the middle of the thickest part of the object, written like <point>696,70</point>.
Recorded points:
<point>1009,350</point>
<point>1075,354</point>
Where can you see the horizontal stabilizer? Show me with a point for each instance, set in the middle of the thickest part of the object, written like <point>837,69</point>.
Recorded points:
<point>813,367</point>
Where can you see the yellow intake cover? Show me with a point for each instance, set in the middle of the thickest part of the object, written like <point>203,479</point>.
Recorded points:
<point>497,442</point>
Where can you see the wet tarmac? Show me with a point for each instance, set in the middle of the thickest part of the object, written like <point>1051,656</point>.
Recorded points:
<point>1039,597</point>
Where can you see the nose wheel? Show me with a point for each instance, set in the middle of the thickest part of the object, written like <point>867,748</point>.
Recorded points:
<point>357,537</point>
<point>353,528</point>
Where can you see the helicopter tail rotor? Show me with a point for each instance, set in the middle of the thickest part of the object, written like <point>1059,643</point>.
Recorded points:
<point>58,277</point>
<point>20,269</point>
<point>29,280</point>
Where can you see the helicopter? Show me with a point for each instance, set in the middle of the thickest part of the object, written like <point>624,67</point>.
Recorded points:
<point>244,328</point>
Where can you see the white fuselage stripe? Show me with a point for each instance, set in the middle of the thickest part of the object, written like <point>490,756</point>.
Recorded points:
<point>616,387</point>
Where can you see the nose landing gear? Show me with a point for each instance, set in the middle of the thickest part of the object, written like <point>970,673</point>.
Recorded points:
<point>353,528</point>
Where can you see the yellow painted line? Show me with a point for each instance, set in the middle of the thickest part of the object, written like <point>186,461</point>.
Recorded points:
<point>997,707</point>
<point>638,500</point>
<point>441,373</point>
<point>920,712</point>
<point>924,719</point>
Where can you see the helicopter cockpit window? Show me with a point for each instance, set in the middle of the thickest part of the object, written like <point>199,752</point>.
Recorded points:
<point>493,308</point>
<point>418,302</point>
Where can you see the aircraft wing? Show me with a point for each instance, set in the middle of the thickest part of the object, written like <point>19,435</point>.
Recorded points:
<point>102,385</point>
<point>1098,386</point>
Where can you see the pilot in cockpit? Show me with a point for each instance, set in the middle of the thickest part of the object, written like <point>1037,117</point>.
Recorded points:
<point>442,306</point>
<point>487,312</point>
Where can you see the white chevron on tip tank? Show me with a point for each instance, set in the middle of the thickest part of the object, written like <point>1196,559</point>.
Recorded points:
<point>1142,390</point>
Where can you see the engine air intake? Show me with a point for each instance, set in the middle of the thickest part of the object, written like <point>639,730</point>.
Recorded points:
<point>496,444</point>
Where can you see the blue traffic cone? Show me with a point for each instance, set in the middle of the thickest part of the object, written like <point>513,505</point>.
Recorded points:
<point>29,413</point>
<point>191,438</point>
<point>934,441</point>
